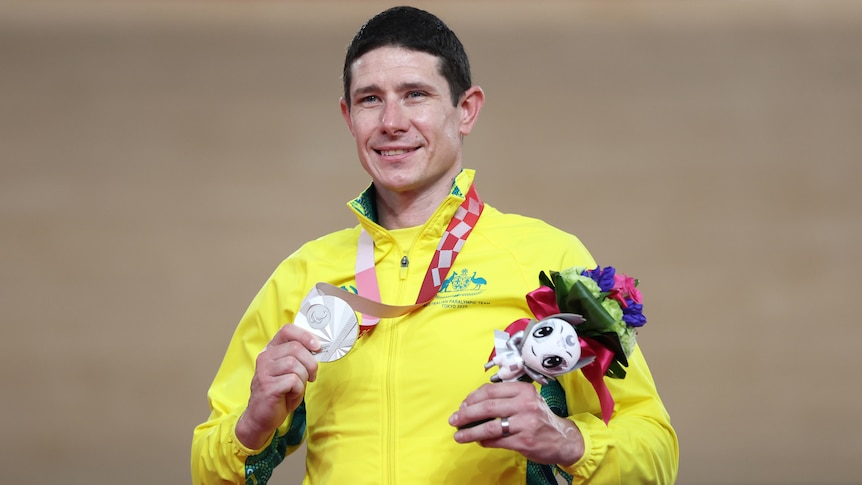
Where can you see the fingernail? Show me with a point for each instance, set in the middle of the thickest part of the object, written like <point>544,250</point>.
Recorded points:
<point>453,418</point>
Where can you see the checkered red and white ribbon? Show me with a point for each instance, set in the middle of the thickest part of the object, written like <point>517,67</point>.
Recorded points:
<point>453,240</point>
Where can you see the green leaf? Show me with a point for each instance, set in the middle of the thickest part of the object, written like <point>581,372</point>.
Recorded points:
<point>581,301</point>
<point>612,341</point>
<point>544,280</point>
<point>616,371</point>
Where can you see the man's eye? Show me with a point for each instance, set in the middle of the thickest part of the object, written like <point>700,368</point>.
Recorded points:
<point>368,99</point>
<point>415,94</point>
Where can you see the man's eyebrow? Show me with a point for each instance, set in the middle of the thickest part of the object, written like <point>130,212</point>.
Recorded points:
<point>416,85</point>
<point>408,86</point>
<point>371,88</point>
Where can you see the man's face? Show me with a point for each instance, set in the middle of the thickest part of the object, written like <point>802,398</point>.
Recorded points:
<point>408,134</point>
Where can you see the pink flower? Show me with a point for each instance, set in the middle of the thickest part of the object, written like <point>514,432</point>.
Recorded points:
<point>625,288</point>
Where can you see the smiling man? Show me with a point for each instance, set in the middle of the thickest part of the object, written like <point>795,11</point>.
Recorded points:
<point>408,130</point>
<point>402,406</point>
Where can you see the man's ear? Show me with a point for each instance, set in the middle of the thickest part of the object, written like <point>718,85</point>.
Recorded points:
<point>345,113</point>
<point>471,103</point>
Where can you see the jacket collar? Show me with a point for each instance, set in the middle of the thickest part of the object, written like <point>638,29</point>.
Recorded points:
<point>365,208</point>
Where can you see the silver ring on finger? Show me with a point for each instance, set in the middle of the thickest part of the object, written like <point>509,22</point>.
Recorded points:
<point>504,423</point>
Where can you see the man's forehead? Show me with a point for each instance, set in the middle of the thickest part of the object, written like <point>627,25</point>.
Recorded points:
<point>391,56</point>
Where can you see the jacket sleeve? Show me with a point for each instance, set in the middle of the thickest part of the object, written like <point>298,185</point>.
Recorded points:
<point>638,445</point>
<point>217,455</point>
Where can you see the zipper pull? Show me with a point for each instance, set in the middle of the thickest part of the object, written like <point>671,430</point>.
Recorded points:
<point>404,263</point>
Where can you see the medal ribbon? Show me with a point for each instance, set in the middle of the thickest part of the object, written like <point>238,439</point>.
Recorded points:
<point>450,246</point>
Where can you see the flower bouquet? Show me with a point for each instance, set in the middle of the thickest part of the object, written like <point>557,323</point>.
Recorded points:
<point>605,310</point>
<point>610,303</point>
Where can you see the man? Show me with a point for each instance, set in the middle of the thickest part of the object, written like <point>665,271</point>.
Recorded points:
<point>402,406</point>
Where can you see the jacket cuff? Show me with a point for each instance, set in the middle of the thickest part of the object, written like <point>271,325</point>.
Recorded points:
<point>594,432</point>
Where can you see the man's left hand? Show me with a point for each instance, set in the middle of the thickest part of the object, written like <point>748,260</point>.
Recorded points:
<point>533,429</point>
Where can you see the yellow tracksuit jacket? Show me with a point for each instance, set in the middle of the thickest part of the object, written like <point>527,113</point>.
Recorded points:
<point>379,415</point>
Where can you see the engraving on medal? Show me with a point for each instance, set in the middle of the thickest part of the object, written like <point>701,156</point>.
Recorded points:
<point>318,316</point>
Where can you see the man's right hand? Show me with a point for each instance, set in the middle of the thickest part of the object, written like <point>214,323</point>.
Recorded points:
<point>281,372</point>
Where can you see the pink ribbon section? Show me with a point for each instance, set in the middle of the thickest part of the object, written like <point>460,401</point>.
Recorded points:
<point>543,302</point>
<point>366,279</point>
<point>595,373</point>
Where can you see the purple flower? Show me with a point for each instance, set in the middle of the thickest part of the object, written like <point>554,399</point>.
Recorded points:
<point>603,277</point>
<point>633,314</point>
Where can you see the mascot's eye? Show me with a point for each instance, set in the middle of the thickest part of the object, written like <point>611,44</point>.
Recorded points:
<point>543,331</point>
<point>552,361</point>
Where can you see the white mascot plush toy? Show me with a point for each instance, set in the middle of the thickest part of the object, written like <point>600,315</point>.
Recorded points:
<point>545,349</point>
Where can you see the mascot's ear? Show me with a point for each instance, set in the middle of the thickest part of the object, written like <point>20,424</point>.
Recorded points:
<point>583,362</point>
<point>572,318</point>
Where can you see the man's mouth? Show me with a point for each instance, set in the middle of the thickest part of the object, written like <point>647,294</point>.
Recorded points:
<point>394,153</point>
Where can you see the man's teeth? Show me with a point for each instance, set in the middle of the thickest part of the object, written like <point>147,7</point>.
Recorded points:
<point>392,153</point>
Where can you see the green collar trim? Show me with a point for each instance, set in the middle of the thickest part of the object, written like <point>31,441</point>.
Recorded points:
<point>365,204</point>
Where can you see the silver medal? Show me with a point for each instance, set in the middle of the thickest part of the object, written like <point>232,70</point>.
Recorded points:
<point>332,321</point>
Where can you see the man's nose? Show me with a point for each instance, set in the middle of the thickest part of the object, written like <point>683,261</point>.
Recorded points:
<point>394,119</point>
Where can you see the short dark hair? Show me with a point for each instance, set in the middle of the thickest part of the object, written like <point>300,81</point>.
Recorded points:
<point>417,30</point>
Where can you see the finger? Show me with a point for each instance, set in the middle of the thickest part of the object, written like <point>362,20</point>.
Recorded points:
<point>473,424</point>
<point>488,398</point>
<point>277,386</point>
<point>499,390</point>
<point>473,415</point>
<point>487,433</point>
<point>291,333</point>
<point>288,358</point>
<point>299,364</point>
<point>492,401</point>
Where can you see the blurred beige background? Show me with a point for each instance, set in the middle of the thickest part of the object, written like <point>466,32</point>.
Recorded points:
<point>157,160</point>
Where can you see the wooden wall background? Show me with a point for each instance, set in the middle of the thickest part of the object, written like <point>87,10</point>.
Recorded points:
<point>159,159</point>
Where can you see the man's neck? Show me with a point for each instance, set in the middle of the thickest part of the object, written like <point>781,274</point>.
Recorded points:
<point>399,210</point>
